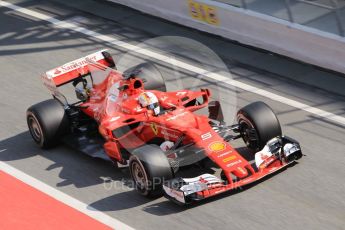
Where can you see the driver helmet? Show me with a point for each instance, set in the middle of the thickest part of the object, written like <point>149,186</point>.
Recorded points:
<point>150,101</point>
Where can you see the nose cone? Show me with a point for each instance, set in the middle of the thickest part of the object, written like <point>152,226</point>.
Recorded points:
<point>240,172</point>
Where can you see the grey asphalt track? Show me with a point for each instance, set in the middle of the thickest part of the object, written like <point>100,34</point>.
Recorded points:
<point>309,195</point>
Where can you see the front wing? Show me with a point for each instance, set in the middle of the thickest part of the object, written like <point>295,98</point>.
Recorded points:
<point>186,190</point>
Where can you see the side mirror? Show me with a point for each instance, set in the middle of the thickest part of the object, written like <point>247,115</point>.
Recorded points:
<point>215,111</point>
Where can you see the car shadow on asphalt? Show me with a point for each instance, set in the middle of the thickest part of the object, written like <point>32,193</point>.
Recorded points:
<point>83,171</point>
<point>75,168</point>
<point>17,147</point>
<point>162,206</point>
<point>167,207</point>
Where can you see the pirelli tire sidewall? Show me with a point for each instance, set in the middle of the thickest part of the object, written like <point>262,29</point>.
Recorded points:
<point>150,74</point>
<point>47,122</point>
<point>155,166</point>
<point>261,117</point>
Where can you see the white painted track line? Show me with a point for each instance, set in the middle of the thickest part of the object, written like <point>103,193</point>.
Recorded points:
<point>64,198</point>
<point>75,27</point>
<point>84,208</point>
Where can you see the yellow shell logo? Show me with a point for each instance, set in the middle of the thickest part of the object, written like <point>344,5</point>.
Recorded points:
<point>216,146</point>
<point>233,157</point>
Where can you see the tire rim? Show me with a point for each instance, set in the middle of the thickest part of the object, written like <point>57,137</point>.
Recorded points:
<point>35,129</point>
<point>249,134</point>
<point>139,175</point>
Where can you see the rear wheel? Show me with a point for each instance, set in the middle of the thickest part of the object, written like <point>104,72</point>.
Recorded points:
<point>47,122</point>
<point>149,73</point>
<point>149,168</point>
<point>258,124</point>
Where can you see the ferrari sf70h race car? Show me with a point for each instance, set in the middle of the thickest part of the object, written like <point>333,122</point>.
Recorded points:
<point>130,119</point>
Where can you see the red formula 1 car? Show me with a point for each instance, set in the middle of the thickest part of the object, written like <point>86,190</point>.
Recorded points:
<point>130,119</point>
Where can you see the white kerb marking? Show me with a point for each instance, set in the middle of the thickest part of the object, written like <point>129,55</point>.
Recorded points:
<point>64,198</point>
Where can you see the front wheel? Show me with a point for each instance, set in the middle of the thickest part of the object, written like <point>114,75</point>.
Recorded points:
<point>258,124</point>
<point>149,168</point>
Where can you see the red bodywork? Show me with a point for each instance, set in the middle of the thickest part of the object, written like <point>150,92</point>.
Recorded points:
<point>113,103</point>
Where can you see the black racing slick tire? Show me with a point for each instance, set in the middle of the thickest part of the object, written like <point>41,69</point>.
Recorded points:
<point>258,124</point>
<point>47,122</point>
<point>149,168</point>
<point>149,73</point>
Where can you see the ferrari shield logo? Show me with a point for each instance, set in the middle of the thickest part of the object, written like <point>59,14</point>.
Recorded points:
<point>154,128</point>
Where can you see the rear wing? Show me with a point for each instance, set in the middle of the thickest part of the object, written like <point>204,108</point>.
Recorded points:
<point>70,71</point>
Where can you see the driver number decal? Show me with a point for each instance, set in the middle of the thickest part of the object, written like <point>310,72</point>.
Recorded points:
<point>206,136</point>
